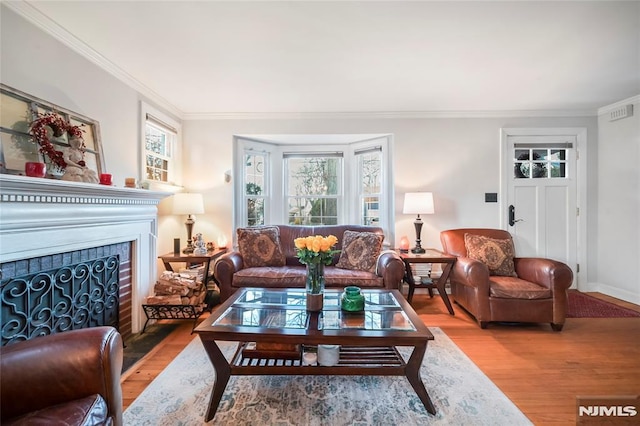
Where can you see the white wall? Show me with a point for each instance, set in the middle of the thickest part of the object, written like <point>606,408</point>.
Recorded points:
<point>40,65</point>
<point>457,159</point>
<point>618,213</point>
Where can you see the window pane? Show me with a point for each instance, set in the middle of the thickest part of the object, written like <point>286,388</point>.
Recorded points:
<point>254,174</point>
<point>255,211</point>
<point>371,211</point>
<point>312,211</point>
<point>16,114</point>
<point>558,154</point>
<point>539,170</point>
<point>156,140</point>
<point>557,170</point>
<point>539,154</point>
<point>370,172</point>
<point>313,176</point>
<point>157,168</point>
<point>15,151</point>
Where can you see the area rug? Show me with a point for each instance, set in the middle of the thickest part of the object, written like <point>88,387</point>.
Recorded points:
<point>461,393</point>
<point>584,306</point>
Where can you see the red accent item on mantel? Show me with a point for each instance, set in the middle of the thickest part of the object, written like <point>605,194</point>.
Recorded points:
<point>35,169</point>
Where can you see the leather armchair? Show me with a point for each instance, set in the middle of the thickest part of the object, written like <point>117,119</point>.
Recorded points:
<point>537,294</point>
<point>70,378</point>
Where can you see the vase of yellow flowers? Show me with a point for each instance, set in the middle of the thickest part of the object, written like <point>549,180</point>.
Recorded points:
<point>315,252</point>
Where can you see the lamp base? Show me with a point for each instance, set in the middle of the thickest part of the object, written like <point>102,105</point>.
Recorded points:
<point>418,248</point>
<point>189,224</point>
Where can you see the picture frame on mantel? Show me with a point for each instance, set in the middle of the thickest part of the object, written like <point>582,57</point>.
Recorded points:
<point>17,147</point>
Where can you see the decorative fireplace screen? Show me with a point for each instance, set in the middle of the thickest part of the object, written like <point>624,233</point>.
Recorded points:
<point>67,298</point>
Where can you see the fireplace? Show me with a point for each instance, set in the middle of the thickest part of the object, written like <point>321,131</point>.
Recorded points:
<point>47,226</point>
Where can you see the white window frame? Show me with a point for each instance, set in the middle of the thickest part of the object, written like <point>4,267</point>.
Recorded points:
<point>349,207</point>
<point>387,190</point>
<point>174,168</point>
<point>245,146</point>
<point>299,151</point>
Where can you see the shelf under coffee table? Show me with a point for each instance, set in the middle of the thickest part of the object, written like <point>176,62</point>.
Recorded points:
<point>368,340</point>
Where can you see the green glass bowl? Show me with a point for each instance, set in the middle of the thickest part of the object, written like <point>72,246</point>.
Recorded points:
<point>352,299</point>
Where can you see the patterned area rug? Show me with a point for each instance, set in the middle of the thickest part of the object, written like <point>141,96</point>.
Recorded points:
<point>584,306</point>
<point>461,393</point>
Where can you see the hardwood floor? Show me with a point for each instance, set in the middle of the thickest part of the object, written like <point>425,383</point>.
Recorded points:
<point>540,370</point>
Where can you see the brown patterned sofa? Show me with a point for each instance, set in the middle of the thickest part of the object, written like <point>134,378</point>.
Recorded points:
<point>233,271</point>
<point>492,284</point>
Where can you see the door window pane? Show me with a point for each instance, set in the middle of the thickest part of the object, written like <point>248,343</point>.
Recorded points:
<point>540,163</point>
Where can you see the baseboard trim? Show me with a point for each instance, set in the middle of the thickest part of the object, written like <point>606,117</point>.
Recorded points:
<point>616,292</point>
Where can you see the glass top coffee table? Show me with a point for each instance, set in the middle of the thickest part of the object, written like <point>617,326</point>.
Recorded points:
<point>368,340</point>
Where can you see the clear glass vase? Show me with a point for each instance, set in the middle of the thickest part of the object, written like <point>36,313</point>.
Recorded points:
<point>315,286</point>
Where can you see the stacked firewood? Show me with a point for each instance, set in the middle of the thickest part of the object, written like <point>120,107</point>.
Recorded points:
<point>178,288</point>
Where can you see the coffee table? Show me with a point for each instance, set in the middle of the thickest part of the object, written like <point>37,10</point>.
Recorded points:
<point>368,340</point>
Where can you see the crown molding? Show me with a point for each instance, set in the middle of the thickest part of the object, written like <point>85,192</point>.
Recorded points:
<point>384,115</point>
<point>606,109</point>
<point>46,24</point>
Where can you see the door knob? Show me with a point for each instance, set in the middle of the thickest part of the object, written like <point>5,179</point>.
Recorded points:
<point>512,216</point>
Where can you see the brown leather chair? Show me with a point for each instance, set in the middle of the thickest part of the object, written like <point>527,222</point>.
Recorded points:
<point>67,378</point>
<point>537,294</point>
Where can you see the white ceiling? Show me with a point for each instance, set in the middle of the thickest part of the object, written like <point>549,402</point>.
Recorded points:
<point>213,58</point>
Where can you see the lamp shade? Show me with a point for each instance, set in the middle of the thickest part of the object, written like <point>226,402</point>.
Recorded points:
<point>188,203</point>
<point>418,203</point>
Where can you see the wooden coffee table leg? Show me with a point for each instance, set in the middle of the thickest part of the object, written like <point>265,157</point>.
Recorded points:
<point>223,372</point>
<point>440,285</point>
<point>412,371</point>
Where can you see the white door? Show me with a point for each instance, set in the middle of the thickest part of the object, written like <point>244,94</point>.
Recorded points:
<point>541,207</point>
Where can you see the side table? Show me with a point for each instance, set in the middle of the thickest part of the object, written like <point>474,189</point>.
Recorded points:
<point>430,256</point>
<point>189,312</point>
<point>193,259</point>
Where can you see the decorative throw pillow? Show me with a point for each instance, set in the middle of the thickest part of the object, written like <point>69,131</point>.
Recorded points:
<point>260,246</point>
<point>360,251</point>
<point>497,254</point>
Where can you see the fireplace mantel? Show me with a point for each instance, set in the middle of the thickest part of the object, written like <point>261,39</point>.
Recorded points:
<point>40,217</point>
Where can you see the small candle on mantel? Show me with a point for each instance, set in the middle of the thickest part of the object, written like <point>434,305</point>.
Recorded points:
<point>404,244</point>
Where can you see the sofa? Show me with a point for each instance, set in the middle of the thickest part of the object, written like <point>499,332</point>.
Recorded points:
<point>66,378</point>
<point>232,272</point>
<point>494,285</point>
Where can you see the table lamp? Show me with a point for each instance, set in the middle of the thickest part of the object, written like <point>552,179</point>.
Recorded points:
<point>418,203</point>
<point>189,204</point>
